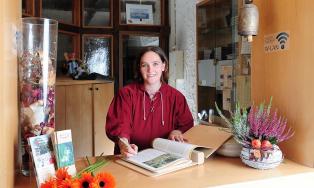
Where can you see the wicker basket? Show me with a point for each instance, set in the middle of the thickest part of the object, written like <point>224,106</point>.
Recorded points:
<point>262,159</point>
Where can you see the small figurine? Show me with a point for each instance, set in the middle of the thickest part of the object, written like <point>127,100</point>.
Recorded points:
<point>71,63</point>
<point>75,67</point>
<point>81,73</point>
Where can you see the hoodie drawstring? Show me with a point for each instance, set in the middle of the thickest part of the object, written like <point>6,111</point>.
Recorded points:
<point>162,108</point>
<point>144,106</point>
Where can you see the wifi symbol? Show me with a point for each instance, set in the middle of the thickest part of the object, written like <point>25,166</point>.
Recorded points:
<point>282,39</point>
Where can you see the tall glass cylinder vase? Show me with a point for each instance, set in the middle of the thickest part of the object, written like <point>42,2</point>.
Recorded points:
<point>37,53</point>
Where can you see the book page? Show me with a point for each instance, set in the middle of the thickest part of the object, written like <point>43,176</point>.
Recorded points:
<point>155,160</point>
<point>177,148</point>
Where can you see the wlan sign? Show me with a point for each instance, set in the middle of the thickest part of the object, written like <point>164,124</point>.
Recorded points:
<point>276,42</point>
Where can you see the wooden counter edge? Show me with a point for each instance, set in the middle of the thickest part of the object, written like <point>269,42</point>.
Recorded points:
<point>207,174</point>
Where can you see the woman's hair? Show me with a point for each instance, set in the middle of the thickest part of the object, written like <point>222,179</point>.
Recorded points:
<point>163,57</point>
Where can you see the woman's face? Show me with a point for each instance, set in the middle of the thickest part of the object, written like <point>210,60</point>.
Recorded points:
<point>151,68</point>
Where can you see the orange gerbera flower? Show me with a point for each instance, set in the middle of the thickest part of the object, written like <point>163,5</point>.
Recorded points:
<point>50,183</point>
<point>104,180</point>
<point>86,181</point>
<point>69,183</point>
<point>62,174</point>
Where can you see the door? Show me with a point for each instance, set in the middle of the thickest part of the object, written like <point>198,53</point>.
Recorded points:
<point>79,118</point>
<point>103,95</point>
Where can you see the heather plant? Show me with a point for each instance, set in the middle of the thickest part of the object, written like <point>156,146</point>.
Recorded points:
<point>260,128</point>
<point>265,124</point>
<point>238,124</point>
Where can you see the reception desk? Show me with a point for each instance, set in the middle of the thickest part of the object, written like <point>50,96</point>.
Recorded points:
<point>216,171</point>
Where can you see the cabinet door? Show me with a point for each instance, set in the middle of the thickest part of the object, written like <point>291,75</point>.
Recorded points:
<point>97,13</point>
<point>79,118</point>
<point>68,42</point>
<point>65,11</point>
<point>60,108</point>
<point>103,94</point>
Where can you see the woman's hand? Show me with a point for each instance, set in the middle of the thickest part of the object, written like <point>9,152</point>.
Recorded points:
<point>126,149</point>
<point>176,135</point>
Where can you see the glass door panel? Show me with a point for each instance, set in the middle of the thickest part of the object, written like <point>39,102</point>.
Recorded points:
<point>131,47</point>
<point>67,43</point>
<point>97,13</point>
<point>58,10</point>
<point>217,53</point>
<point>97,54</point>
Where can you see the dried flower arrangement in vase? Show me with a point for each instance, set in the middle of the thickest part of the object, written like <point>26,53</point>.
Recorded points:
<point>259,131</point>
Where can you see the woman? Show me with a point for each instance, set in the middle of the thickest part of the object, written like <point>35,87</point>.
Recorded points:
<point>147,109</point>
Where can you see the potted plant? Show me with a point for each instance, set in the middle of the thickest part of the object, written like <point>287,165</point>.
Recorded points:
<point>259,131</point>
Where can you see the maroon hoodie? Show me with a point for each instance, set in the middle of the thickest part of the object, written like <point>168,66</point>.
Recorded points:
<point>133,115</point>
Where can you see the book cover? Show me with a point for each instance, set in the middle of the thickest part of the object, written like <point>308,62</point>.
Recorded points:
<point>43,157</point>
<point>63,147</point>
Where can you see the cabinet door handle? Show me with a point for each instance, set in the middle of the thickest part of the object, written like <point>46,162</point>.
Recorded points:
<point>90,88</point>
<point>96,88</point>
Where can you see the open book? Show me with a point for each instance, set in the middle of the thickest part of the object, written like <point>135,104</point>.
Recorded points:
<point>167,156</point>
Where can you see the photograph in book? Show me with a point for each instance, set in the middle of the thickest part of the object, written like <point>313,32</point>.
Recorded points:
<point>162,160</point>
<point>43,157</point>
<point>65,154</point>
<point>156,160</point>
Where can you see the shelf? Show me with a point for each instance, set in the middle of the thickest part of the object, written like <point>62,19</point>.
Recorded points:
<point>66,80</point>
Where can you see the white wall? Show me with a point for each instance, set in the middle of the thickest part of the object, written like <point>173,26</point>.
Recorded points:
<point>183,37</point>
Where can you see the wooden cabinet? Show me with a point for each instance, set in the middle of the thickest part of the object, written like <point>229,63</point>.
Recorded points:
<point>82,107</point>
<point>106,21</point>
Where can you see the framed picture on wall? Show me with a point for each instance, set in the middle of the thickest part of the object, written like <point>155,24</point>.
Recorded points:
<point>139,14</point>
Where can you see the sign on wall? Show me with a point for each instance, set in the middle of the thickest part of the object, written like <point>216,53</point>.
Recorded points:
<point>277,42</point>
